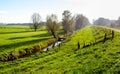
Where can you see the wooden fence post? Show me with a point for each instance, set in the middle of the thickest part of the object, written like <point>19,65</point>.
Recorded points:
<point>105,37</point>
<point>78,45</point>
<point>112,34</point>
<point>59,46</point>
<point>53,46</point>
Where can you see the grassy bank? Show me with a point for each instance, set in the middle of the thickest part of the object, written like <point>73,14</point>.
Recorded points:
<point>15,38</point>
<point>95,56</point>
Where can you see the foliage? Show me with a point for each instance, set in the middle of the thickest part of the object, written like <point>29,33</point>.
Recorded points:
<point>68,23</point>
<point>102,21</point>
<point>81,21</point>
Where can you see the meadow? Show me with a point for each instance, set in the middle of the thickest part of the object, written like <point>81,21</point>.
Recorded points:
<point>15,38</point>
<point>98,54</point>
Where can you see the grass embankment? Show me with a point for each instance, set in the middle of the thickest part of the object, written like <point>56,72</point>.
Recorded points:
<point>17,41</point>
<point>94,57</point>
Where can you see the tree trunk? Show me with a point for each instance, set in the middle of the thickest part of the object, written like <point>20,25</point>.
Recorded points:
<point>35,30</point>
<point>54,35</point>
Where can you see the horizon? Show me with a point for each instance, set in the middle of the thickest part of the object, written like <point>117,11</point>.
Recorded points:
<point>20,11</point>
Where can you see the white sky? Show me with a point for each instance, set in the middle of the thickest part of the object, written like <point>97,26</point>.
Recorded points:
<point>20,11</point>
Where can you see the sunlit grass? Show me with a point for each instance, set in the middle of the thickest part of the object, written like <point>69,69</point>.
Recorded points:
<point>99,58</point>
<point>18,37</point>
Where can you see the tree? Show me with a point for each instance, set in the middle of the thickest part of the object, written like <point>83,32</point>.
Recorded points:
<point>112,24</point>
<point>36,20</point>
<point>118,22</point>
<point>102,21</point>
<point>67,22</point>
<point>80,21</point>
<point>52,25</point>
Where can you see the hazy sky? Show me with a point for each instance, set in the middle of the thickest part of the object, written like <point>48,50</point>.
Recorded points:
<point>20,11</point>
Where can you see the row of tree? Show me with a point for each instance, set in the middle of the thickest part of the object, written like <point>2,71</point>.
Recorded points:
<point>69,23</point>
<point>106,22</point>
<point>116,23</point>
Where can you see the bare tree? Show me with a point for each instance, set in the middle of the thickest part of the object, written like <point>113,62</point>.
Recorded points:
<point>52,25</point>
<point>81,21</point>
<point>36,20</point>
<point>67,22</point>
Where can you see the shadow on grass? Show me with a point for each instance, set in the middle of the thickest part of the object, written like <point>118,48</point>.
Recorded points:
<point>16,45</point>
<point>40,35</point>
<point>16,38</point>
<point>14,32</point>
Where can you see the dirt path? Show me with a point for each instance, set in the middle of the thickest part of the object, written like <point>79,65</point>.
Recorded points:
<point>111,28</point>
<point>115,29</point>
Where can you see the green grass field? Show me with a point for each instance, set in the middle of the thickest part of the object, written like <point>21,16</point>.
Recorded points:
<point>13,38</point>
<point>94,56</point>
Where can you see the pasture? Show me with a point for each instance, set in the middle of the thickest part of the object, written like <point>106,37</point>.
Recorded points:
<point>13,38</point>
<point>95,56</point>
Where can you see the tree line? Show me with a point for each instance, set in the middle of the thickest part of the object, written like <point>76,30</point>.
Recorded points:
<point>106,22</point>
<point>69,23</point>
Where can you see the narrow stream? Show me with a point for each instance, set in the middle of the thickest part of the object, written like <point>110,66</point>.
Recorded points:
<point>51,46</point>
